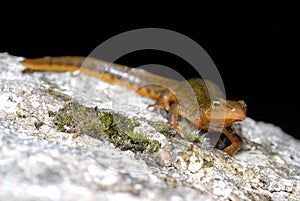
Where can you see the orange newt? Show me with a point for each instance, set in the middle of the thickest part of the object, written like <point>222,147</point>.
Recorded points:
<point>203,105</point>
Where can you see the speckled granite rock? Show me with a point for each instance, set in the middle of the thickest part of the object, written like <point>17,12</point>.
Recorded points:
<point>37,162</point>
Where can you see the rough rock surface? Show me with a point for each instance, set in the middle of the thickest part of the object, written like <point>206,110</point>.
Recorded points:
<point>37,162</point>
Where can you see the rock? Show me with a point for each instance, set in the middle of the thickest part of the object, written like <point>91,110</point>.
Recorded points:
<point>38,162</point>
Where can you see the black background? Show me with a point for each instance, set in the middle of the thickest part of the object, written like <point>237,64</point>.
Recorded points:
<point>254,49</point>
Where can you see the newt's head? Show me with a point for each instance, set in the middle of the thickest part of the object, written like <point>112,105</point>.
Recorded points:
<point>235,111</point>
<point>226,111</point>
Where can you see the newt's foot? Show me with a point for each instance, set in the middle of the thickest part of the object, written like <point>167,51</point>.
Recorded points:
<point>178,129</point>
<point>158,109</point>
<point>155,108</point>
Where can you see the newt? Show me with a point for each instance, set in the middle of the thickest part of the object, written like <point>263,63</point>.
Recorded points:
<point>199,101</point>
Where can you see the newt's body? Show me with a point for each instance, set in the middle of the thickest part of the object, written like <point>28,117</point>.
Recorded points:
<point>197,100</point>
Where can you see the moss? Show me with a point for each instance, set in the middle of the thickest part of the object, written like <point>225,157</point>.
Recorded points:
<point>190,151</point>
<point>194,149</point>
<point>38,124</point>
<point>208,163</point>
<point>194,136</point>
<point>163,128</point>
<point>188,132</point>
<point>171,181</point>
<point>108,125</point>
<point>51,113</point>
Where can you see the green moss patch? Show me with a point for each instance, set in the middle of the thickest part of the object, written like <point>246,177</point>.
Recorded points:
<point>116,128</point>
<point>187,131</point>
<point>38,124</point>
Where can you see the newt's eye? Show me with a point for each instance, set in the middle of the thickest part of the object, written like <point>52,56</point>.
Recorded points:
<point>232,109</point>
<point>216,102</point>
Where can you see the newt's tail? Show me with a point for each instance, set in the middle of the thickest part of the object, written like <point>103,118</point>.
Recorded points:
<point>141,81</point>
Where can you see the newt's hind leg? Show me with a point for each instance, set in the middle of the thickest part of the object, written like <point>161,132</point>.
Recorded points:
<point>235,139</point>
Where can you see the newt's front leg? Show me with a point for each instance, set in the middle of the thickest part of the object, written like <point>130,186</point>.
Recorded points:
<point>173,117</point>
<point>235,139</point>
<point>168,102</point>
